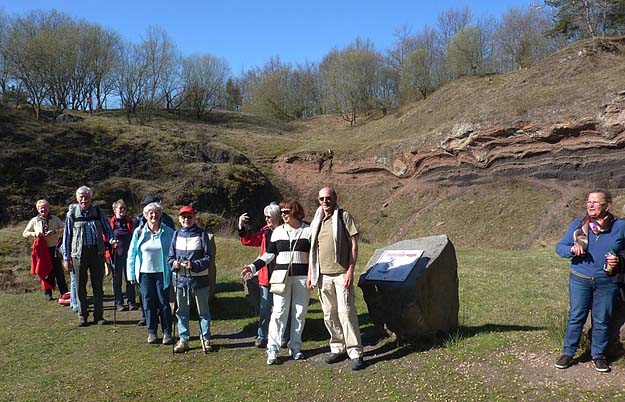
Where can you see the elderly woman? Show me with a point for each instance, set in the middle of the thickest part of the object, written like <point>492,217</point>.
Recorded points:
<point>261,239</point>
<point>147,265</point>
<point>50,228</point>
<point>290,247</point>
<point>592,243</point>
<point>122,227</point>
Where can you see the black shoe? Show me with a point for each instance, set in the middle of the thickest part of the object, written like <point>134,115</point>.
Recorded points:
<point>141,322</point>
<point>82,322</point>
<point>601,365</point>
<point>357,364</point>
<point>332,358</point>
<point>48,296</point>
<point>564,362</point>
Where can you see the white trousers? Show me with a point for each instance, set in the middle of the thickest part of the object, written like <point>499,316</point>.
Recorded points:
<point>295,302</point>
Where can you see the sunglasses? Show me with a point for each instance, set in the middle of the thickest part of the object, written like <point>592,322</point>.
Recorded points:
<point>285,211</point>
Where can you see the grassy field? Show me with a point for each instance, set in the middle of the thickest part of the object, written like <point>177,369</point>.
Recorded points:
<point>512,306</point>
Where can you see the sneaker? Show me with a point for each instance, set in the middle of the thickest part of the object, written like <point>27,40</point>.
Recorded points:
<point>121,307</point>
<point>181,346</point>
<point>207,346</point>
<point>564,362</point>
<point>101,321</point>
<point>152,339</point>
<point>167,339</point>
<point>260,343</point>
<point>332,358</point>
<point>601,365</point>
<point>296,354</point>
<point>141,322</point>
<point>272,357</point>
<point>133,307</point>
<point>357,364</point>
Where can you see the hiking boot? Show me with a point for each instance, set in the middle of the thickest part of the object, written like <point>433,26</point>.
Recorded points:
<point>133,307</point>
<point>82,322</point>
<point>357,364</point>
<point>272,357</point>
<point>601,365</point>
<point>332,358</point>
<point>564,362</point>
<point>152,339</point>
<point>207,346</point>
<point>121,307</point>
<point>260,343</point>
<point>141,322</point>
<point>181,346</point>
<point>167,339</point>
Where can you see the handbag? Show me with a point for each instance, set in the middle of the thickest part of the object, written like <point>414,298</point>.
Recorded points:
<point>277,281</point>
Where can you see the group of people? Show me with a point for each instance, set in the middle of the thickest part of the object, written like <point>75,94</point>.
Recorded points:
<point>295,258</point>
<point>149,252</point>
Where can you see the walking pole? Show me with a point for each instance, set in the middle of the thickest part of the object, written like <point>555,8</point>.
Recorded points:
<point>199,319</point>
<point>173,353</point>
<point>113,264</point>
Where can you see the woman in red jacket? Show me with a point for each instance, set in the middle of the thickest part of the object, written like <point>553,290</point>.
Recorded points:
<point>122,227</point>
<point>261,239</point>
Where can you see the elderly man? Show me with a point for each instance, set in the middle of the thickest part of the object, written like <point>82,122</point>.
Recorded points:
<point>83,251</point>
<point>333,254</point>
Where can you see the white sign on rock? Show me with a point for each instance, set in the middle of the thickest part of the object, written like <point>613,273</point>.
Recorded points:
<point>394,265</point>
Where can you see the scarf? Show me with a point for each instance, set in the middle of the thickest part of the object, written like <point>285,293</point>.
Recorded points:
<point>580,236</point>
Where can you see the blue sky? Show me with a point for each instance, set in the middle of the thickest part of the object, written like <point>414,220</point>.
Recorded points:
<point>247,33</point>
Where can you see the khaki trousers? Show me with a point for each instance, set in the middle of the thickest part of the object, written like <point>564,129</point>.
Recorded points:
<point>340,316</point>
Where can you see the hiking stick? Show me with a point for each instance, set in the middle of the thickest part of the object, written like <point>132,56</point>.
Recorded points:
<point>113,265</point>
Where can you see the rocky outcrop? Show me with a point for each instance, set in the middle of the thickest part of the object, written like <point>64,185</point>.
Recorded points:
<point>588,149</point>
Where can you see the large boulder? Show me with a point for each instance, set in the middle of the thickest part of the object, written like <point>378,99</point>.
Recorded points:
<point>425,304</point>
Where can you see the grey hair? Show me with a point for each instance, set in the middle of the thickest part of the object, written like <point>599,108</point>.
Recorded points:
<point>84,189</point>
<point>152,206</point>
<point>41,202</point>
<point>273,210</point>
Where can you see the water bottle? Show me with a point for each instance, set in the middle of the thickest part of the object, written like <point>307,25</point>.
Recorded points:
<point>606,268</point>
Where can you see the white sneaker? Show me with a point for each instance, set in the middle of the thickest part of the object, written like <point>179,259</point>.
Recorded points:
<point>272,357</point>
<point>296,354</point>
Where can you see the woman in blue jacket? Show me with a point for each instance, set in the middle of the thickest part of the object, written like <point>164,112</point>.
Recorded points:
<point>593,243</point>
<point>147,265</point>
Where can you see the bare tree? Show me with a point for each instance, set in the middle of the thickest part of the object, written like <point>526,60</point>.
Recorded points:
<point>204,78</point>
<point>132,80</point>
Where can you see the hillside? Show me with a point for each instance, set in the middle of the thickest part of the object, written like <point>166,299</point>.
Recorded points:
<point>495,161</point>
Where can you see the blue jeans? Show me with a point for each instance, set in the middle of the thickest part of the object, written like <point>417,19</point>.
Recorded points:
<point>183,299</point>
<point>155,298</point>
<point>266,301</point>
<point>119,267</point>
<point>73,297</point>
<point>596,294</point>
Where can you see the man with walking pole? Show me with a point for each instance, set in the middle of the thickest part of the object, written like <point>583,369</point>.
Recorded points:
<point>190,256</point>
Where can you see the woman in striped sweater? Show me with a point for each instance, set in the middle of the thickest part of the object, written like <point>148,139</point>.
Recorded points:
<point>289,246</point>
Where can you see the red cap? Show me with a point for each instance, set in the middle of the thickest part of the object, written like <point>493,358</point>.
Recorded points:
<point>187,209</point>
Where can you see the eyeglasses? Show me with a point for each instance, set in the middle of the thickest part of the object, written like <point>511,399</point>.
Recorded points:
<point>285,211</point>
<point>595,203</point>
<point>325,199</point>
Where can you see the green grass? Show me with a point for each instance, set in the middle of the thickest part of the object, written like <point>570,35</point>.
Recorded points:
<point>507,301</point>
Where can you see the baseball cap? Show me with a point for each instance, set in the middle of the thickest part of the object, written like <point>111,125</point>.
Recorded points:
<point>187,209</point>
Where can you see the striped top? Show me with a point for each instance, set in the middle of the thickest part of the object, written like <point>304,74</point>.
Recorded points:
<point>287,248</point>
